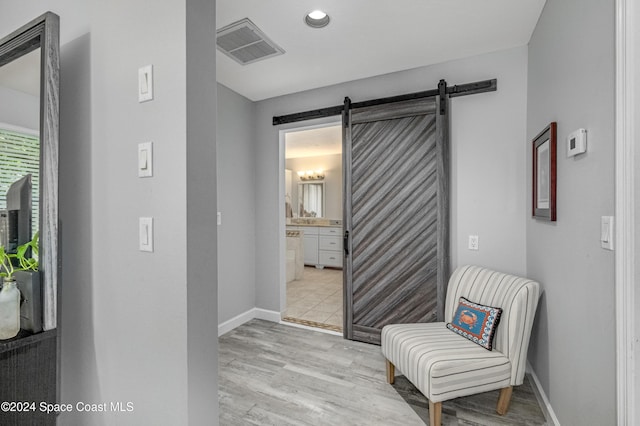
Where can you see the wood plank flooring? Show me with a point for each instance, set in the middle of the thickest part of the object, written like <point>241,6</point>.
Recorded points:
<point>273,374</point>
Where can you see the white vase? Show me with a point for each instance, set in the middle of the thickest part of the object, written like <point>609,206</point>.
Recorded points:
<point>9,310</point>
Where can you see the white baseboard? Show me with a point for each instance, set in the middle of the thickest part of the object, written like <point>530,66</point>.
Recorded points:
<point>247,316</point>
<point>266,315</point>
<point>549,414</point>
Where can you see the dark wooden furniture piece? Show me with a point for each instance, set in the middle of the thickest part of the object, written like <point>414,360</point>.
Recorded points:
<point>28,369</point>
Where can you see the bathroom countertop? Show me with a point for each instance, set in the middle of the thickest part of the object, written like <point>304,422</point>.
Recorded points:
<point>324,223</point>
<point>319,225</point>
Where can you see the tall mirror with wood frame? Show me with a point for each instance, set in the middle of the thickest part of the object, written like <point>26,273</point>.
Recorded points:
<point>29,131</point>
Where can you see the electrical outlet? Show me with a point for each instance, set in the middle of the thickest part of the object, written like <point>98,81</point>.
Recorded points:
<point>473,242</point>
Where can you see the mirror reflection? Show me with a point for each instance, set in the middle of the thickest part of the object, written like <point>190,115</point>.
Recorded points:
<point>311,199</point>
<point>19,150</point>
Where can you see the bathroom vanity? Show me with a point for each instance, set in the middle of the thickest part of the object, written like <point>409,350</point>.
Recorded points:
<point>322,244</point>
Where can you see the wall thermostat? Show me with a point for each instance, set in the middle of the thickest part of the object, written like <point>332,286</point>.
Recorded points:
<point>576,142</point>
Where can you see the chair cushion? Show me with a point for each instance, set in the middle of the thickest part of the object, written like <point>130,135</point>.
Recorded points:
<point>441,364</point>
<point>475,322</point>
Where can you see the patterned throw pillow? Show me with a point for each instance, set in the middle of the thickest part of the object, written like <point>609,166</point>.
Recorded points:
<point>476,322</point>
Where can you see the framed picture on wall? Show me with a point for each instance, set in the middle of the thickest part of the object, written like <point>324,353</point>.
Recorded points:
<point>544,174</point>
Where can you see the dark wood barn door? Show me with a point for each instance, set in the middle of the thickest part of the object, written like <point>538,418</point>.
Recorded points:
<point>396,216</point>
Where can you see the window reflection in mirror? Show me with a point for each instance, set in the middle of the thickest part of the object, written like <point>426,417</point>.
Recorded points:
<point>311,199</point>
<point>19,133</point>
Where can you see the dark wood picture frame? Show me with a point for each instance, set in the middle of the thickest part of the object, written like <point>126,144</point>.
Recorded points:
<point>544,174</point>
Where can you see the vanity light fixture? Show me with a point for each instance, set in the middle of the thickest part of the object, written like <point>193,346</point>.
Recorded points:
<point>311,175</point>
<point>317,19</point>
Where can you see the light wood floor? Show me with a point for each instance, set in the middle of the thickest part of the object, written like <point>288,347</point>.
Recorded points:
<point>274,374</point>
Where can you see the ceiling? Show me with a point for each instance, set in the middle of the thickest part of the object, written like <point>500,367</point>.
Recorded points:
<point>367,38</point>
<point>314,142</point>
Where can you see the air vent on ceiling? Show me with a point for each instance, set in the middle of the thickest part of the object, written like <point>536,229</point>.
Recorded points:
<point>243,42</point>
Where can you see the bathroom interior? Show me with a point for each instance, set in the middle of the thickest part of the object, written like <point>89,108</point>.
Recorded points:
<point>313,210</point>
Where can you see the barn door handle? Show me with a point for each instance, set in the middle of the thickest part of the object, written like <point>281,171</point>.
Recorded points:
<point>345,243</point>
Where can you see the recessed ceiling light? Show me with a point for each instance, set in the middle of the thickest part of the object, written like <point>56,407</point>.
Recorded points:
<point>317,19</point>
<point>317,14</point>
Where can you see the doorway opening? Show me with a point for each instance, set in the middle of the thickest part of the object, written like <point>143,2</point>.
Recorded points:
<point>312,198</point>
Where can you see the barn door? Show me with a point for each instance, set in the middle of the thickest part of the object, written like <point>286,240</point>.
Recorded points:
<point>395,215</point>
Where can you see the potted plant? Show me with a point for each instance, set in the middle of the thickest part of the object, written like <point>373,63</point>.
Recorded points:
<point>10,296</point>
<point>24,263</point>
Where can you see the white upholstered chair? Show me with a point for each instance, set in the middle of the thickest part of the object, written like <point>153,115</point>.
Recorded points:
<point>444,365</point>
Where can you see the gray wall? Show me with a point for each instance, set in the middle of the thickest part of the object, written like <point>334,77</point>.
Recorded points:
<point>236,202</point>
<point>80,379</point>
<point>332,166</point>
<point>635,47</point>
<point>19,109</point>
<point>488,163</point>
<point>136,326</point>
<point>571,81</point>
<point>140,298</point>
<point>202,253</point>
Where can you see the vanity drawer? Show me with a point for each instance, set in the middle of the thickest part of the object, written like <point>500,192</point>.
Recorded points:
<point>331,258</point>
<point>336,232</point>
<point>330,243</point>
<point>309,230</point>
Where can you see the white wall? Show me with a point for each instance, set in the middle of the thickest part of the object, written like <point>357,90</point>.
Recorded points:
<point>571,81</point>
<point>19,109</point>
<point>332,166</point>
<point>136,326</point>
<point>488,163</point>
<point>236,202</point>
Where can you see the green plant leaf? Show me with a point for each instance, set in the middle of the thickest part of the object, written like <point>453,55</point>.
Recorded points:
<point>26,264</point>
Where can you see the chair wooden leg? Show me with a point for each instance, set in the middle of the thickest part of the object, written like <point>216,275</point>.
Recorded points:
<point>391,372</point>
<point>503,400</point>
<point>435,413</point>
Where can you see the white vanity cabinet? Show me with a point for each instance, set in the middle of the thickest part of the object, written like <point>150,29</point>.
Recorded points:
<point>310,242</point>
<point>330,247</point>
<point>322,245</point>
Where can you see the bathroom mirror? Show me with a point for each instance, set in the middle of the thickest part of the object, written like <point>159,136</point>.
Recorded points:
<point>311,199</point>
<point>29,127</point>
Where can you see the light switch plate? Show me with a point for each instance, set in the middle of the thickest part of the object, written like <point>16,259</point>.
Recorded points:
<point>145,159</point>
<point>145,83</point>
<point>606,232</point>
<point>145,231</point>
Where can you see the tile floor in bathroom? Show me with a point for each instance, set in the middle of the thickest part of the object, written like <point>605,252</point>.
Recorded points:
<point>317,298</point>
